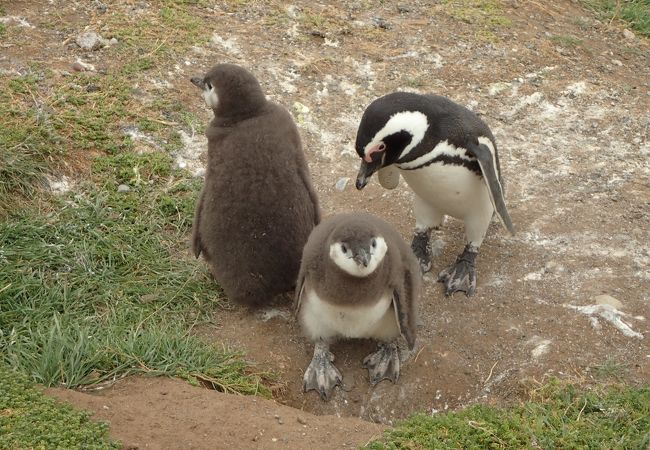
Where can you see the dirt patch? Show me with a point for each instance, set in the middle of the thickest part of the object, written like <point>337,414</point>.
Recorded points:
<point>568,100</point>
<point>161,413</point>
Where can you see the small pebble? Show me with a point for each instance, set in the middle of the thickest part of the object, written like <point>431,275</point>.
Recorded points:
<point>301,420</point>
<point>608,300</point>
<point>552,267</point>
<point>92,88</point>
<point>628,34</point>
<point>81,66</point>
<point>381,23</point>
<point>90,41</point>
<point>123,188</point>
<point>342,183</point>
<point>617,62</point>
<point>101,7</point>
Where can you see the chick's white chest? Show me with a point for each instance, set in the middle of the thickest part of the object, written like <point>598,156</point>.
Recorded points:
<point>323,320</point>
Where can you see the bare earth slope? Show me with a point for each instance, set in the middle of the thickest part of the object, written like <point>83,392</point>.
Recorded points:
<point>567,99</point>
<point>161,413</point>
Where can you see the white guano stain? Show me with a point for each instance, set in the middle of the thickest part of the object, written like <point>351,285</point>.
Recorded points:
<point>60,186</point>
<point>229,45</point>
<point>611,315</point>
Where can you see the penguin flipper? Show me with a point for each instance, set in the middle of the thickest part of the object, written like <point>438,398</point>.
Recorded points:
<point>300,287</point>
<point>403,299</point>
<point>487,162</point>
<point>306,181</point>
<point>196,235</point>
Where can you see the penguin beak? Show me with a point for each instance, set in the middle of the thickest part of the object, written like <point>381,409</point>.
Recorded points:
<point>362,258</point>
<point>367,169</point>
<point>198,82</point>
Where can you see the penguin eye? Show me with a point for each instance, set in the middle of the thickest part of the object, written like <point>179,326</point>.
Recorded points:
<point>381,147</point>
<point>344,248</point>
<point>373,243</point>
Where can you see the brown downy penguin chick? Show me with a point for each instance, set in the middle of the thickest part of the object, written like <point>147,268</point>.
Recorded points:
<point>257,206</point>
<point>358,279</point>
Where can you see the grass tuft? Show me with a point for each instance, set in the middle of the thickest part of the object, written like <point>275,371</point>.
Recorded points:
<point>485,15</point>
<point>29,419</point>
<point>610,370</point>
<point>635,12</point>
<point>558,415</point>
<point>44,125</point>
<point>566,40</point>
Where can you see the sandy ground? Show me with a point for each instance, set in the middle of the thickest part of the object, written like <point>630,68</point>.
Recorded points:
<point>161,413</point>
<point>568,293</point>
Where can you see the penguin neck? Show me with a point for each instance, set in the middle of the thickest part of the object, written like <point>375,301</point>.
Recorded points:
<point>344,289</point>
<point>240,104</point>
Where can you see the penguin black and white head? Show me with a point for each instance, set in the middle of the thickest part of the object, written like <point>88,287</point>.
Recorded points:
<point>448,157</point>
<point>257,206</point>
<point>358,279</point>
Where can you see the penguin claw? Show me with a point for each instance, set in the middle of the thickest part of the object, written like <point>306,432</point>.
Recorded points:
<point>383,364</point>
<point>422,250</point>
<point>461,276</point>
<point>322,376</point>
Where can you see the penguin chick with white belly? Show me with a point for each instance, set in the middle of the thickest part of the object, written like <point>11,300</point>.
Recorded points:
<point>257,207</point>
<point>358,279</point>
<point>448,157</point>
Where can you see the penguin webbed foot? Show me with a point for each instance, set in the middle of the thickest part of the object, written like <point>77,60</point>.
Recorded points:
<point>422,250</point>
<point>462,275</point>
<point>321,375</point>
<point>383,364</point>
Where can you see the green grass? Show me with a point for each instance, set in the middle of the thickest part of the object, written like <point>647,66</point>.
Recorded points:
<point>558,416</point>
<point>635,12</point>
<point>158,40</point>
<point>29,419</point>
<point>566,40</point>
<point>49,120</point>
<point>610,370</point>
<point>486,16</point>
<point>102,285</point>
<point>46,121</point>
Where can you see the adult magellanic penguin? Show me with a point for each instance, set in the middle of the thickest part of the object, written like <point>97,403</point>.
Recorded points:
<point>448,157</point>
<point>257,207</point>
<point>358,279</point>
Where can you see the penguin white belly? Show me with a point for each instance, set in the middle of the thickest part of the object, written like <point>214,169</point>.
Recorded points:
<point>450,189</point>
<point>323,320</point>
